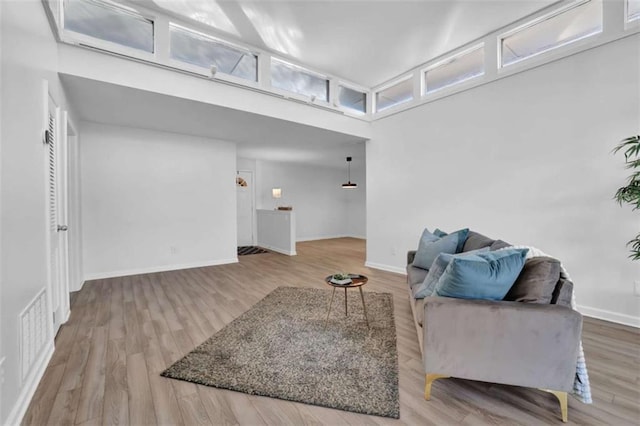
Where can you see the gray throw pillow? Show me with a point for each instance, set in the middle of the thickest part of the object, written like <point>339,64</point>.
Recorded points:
<point>428,250</point>
<point>536,282</point>
<point>563,292</point>
<point>499,244</point>
<point>475,241</point>
<point>437,268</point>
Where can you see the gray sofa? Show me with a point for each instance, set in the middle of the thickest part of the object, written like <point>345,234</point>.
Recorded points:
<point>509,342</point>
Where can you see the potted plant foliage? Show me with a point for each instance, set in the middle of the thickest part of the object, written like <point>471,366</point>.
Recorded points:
<point>630,193</point>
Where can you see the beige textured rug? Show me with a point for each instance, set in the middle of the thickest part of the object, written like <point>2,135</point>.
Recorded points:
<point>281,349</point>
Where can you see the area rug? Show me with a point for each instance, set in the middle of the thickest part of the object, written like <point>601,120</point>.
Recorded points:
<point>280,348</point>
<point>245,250</point>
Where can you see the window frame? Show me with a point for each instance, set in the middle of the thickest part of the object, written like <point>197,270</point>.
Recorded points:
<point>630,23</point>
<point>401,79</point>
<point>296,95</point>
<point>206,71</point>
<point>351,111</point>
<point>77,38</point>
<point>533,22</point>
<point>447,60</point>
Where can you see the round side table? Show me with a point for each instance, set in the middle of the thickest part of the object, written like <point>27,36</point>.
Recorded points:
<point>357,281</point>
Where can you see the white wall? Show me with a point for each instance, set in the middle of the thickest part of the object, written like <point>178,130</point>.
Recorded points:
<point>29,56</point>
<point>526,159</point>
<point>155,201</point>
<point>323,209</point>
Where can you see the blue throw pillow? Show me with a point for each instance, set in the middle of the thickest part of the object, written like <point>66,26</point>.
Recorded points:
<point>439,233</point>
<point>487,275</point>
<point>429,249</point>
<point>437,269</point>
<point>462,236</point>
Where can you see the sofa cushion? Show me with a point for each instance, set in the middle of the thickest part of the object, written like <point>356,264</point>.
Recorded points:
<point>563,292</point>
<point>536,282</point>
<point>499,244</point>
<point>429,249</point>
<point>435,272</point>
<point>475,241</point>
<point>415,276</point>
<point>427,286</point>
<point>414,291</point>
<point>418,307</point>
<point>487,275</point>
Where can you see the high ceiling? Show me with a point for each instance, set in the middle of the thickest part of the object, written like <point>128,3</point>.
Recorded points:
<point>367,42</point>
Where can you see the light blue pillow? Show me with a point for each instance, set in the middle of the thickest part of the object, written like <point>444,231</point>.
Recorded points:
<point>437,269</point>
<point>429,249</point>
<point>439,233</point>
<point>462,236</point>
<point>487,275</point>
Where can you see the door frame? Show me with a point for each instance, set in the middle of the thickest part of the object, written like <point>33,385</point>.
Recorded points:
<point>253,205</point>
<point>63,218</point>
<point>74,212</point>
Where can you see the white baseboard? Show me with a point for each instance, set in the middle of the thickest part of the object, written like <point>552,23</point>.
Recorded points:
<point>387,268</point>
<point>29,388</point>
<point>163,268</point>
<point>609,316</point>
<point>279,250</point>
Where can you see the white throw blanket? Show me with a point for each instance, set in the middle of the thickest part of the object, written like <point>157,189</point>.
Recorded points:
<point>581,386</point>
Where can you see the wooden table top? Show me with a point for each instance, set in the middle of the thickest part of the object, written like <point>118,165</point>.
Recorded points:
<point>356,281</point>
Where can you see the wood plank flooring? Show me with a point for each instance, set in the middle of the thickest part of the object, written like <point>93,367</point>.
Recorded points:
<point>124,331</point>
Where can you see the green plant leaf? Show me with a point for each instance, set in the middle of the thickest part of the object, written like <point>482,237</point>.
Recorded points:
<point>635,248</point>
<point>631,144</point>
<point>630,194</point>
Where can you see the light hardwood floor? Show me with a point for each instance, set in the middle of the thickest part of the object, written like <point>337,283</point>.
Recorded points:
<point>124,331</point>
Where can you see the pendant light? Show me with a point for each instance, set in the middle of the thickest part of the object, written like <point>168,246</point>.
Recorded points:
<point>349,184</point>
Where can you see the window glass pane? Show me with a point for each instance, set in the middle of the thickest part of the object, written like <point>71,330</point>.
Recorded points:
<point>352,99</point>
<point>109,23</point>
<point>633,10</point>
<point>204,51</point>
<point>456,70</point>
<point>398,93</point>
<point>294,79</point>
<point>555,31</point>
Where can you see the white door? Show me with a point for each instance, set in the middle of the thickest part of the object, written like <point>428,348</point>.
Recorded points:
<point>245,193</point>
<point>56,168</point>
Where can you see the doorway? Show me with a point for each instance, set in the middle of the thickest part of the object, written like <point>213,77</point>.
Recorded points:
<point>245,193</point>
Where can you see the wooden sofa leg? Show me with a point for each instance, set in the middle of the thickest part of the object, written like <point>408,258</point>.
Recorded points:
<point>430,378</point>
<point>562,399</point>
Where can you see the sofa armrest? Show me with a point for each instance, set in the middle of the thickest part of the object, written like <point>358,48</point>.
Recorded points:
<point>411,254</point>
<point>522,344</point>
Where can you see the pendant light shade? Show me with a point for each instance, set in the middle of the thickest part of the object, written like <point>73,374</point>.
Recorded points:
<point>349,184</point>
